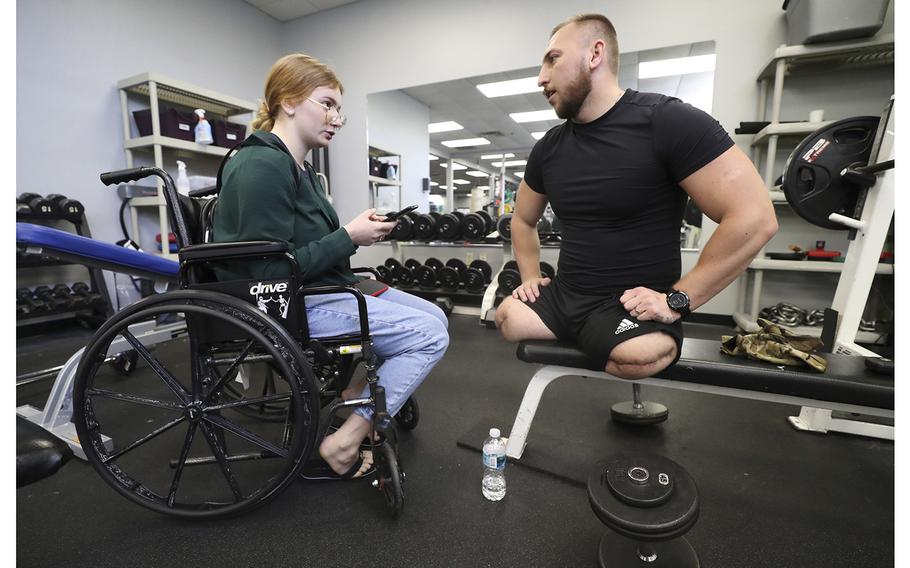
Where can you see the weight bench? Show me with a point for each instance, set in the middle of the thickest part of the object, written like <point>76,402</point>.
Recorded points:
<point>60,245</point>
<point>847,385</point>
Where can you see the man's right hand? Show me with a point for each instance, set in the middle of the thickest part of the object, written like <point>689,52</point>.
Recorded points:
<point>529,290</point>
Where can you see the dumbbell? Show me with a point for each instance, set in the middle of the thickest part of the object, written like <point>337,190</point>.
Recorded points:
<point>385,274</point>
<point>649,502</point>
<point>44,294</point>
<point>404,229</point>
<point>26,304</point>
<point>65,207</point>
<point>472,278</point>
<point>485,268</point>
<point>474,227</point>
<point>504,226</point>
<point>63,294</point>
<point>491,223</point>
<point>424,227</point>
<point>449,227</point>
<point>426,276</point>
<point>88,297</point>
<point>37,204</point>
<point>509,278</point>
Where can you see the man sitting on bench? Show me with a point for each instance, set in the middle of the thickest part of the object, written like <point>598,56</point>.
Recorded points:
<point>618,173</point>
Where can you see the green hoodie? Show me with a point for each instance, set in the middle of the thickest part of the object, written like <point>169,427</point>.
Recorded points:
<point>265,196</point>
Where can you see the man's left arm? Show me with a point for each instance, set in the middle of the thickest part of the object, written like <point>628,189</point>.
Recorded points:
<point>731,193</point>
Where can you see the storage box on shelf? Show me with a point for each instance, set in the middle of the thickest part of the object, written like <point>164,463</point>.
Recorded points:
<point>384,176</point>
<point>170,129</point>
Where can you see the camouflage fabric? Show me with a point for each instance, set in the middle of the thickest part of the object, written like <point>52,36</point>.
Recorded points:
<point>777,345</point>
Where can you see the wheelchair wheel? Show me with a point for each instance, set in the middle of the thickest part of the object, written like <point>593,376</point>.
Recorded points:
<point>256,380</point>
<point>167,437</point>
<point>389,477</point>
<point>409,415</point>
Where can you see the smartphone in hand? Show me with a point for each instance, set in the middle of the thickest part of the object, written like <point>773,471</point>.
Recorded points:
<point>394,216</point>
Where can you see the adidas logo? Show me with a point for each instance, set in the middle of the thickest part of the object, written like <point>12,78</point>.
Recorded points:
<point>625,325</point>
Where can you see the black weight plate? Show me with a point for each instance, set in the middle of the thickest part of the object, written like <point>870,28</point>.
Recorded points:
<point>812,181</point>
<point>543,225</point>
<point>640,483</point>
<point>434,263</point>
<point>485,268</point>
<point>504,226</point>
<point>424,228</point>
<point>459,215</point>
<point>473,227</point>
<point>426,276</point>
<point>392,263</point>
<point>435,215</point>
<point>458,265</point>
<point>670,519</point>
<point>449,278</point>
<point>488,219</point>
<point>412,264</point>
<point>546,270</point>
<point>403,229</point>
<point>448,227</point>
<point>474,280</point>
<point>511,265</point>
<point>385,274</point>
<point>403,276</point>
<point>508,280</point>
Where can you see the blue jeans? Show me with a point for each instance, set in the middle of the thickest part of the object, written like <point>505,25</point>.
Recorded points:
<point>410,335</point>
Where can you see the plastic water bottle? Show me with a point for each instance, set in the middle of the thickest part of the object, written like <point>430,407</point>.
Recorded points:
<point>494,465</point>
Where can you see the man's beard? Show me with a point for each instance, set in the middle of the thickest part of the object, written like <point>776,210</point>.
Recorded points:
<point>574,95</point>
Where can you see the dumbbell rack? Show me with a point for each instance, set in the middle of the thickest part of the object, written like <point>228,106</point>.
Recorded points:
<point>92,314</point>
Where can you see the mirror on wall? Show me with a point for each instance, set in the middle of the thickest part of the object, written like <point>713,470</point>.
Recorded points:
<point>467,140</point>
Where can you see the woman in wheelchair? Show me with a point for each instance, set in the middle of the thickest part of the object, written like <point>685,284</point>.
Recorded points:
<point>270,193</point>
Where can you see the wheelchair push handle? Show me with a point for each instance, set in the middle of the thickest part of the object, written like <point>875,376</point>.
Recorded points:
<point>130,174</point>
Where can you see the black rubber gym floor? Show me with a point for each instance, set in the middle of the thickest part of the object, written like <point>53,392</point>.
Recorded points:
<point>770,496</point>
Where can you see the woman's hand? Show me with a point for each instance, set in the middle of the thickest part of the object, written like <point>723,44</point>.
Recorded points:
<point>366,228</point>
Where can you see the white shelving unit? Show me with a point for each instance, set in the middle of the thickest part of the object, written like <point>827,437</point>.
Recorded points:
<point>377,182</point>
<point>788,60</point>
<point>156,88</point>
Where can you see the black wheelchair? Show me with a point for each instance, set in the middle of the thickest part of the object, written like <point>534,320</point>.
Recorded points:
<point>240,399</point>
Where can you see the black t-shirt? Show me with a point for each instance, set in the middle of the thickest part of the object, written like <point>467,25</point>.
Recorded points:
<point>614,185</point>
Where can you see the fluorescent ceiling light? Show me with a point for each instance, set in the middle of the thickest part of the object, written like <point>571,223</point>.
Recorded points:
<point>510,163</point>
<point>465,142</point>
<point>519,174</point>
<point>460,181</point>
<point>482,187</point>
<point>512,87</point>
<point>443,187</point>
<point>678,66</point>
<point>447,126</point>
<point>538,135</point>
<point>455,166</point>
<point>496,156</point>
<point>477,174</point>
<point>534,116</point>
<point>432,157</point>
<point>433,183</point>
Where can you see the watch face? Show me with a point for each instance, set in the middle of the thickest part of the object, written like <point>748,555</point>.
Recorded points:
<point>677,300</point>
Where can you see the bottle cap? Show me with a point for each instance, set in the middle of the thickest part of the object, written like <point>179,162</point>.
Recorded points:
<point>494,432</point>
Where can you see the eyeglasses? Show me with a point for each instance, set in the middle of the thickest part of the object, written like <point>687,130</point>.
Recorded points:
<point>340,119</point>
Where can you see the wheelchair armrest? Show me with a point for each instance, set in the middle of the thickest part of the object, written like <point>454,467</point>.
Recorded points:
<point>215,251</point>
<point>366,269</point>
<point>204,192</point>
<point>358,295</point>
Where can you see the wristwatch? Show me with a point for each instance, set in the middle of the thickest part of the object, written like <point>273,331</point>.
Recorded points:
<point>678,302</point>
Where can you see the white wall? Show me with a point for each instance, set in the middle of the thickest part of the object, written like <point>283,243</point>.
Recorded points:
<point>398,124</point>
<point>70,56</point>
<point>384,45</point>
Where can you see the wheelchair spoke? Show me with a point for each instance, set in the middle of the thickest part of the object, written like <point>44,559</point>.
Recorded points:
<point>133,399</point>
<point>159,369</point>
<point>251,401</point>
<point>218,451</point>
<point>229,372</point>
<point>246,434</point>
<point>144,439</point>
<point>187,443</point>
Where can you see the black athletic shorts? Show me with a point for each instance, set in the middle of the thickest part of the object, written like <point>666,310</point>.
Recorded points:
<point>596,323</point>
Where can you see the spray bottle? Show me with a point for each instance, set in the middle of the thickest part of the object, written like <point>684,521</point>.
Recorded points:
<point>203,129</point>
<point>183,182</point>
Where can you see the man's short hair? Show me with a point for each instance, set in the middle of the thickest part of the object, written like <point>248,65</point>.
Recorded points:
<point>600,27</point>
